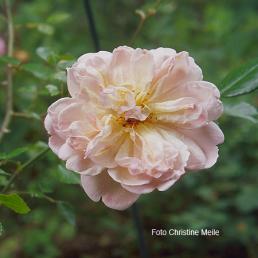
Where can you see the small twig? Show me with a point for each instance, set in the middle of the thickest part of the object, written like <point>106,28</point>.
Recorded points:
<point>143,17</point>
<point>23,166</point>
<point>50,199</point>
<point>9,87</point>
<point>46,197</point>
<point>23,115</point>
<point>140,25</point>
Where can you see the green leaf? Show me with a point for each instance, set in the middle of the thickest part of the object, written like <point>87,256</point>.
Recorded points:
<point>52,89</point>
<point>243,110</point>
<point>46,54</point>
<point>63,64</point>
<point>14,202</point>
<point>13,153</point>
<point>67,211</point>
<point>3,180</point>
<point>67,176</point>
<point>60,76</point>
<point>3,173</point>
<point>9,60</point>
<point>38,70</point>
<point>242,80</point>
<point>58,17</point>
<point>46,29</point>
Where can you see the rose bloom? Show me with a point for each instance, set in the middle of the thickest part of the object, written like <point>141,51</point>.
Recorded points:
<point>2,47</point>
<point>136,121</point>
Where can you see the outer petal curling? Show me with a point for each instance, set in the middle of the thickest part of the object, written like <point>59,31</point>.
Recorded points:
<point>202,143</point>
<point>182,69</point>
<point>112,194</point>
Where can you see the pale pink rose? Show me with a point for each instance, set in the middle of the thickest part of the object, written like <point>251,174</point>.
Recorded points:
<point>2,46</point>
<point>136,121</point>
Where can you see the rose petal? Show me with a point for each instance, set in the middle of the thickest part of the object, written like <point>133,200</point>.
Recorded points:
<point>184,112</point>
<point>205,93</point>
<point>128,67</point>
<point>88,71</point>
<point>183,69</point>
<point>122,175</point>
<point>202,143</point>
<point>83,166</point>
<point>102,149</point>
<point>112,194</point>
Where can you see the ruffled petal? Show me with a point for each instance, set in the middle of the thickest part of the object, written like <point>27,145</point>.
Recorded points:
<point>162,183</point>
<point>131,67</point>
<point>122,175</point>
<point>149,152</point>
<point>201,143</point>
<point>103,148</point>
<point>83,166</point>
<point>206,95</point>
<point>161,55</point>
<point>65,151</point>
<point>89,72</point>
<point>55,143</point>
<point>184,112</point>
<point>182,69</point>
<point>112,194</point>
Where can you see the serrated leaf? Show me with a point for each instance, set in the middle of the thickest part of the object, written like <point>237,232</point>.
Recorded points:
<point>9,60</point>
<point>14,202</point>
<point>38,70</point>
<point>67,211</point>
<point>52,89</point>
<point>242,80</point>
<point>13,153</point>
<point>67,176</point>
<point>243,110</point>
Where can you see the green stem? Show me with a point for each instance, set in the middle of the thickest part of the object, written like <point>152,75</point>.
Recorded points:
<point>22,167</point>
<point>9,86</point>
<point>46,197</point>
<point>138,29</point>
<point>143,17</point>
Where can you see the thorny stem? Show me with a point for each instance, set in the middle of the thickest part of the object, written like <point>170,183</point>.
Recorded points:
<point>9,86</point>
<point>22,167</point>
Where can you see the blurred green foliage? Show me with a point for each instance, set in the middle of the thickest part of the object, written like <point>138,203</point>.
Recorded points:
<point>63,222</point>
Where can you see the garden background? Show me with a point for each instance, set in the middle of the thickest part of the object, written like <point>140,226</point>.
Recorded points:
<point>62,221</point>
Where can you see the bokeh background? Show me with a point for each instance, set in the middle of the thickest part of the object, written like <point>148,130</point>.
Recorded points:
<point>63,222</point>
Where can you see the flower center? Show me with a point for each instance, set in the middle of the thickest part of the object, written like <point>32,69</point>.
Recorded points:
<point>128,105</point>
<point>131,122</point>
